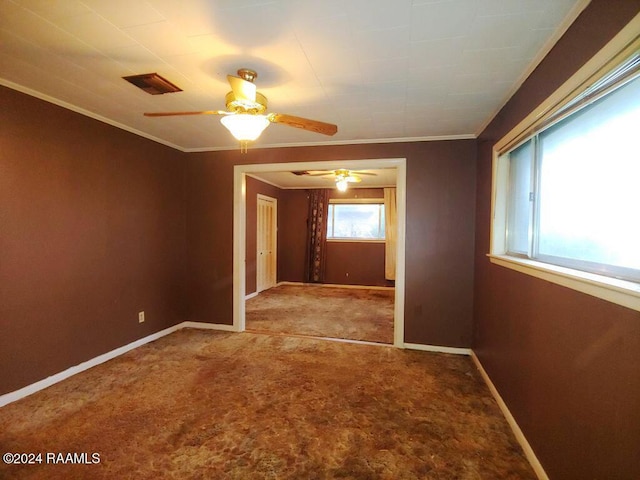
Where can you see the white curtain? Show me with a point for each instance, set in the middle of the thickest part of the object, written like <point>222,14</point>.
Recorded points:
<point>390,216</point>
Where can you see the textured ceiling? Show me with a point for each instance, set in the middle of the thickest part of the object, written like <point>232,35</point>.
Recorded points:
<point>380,70</point>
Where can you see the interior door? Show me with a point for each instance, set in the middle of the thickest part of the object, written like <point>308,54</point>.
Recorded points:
<point>267,234</point>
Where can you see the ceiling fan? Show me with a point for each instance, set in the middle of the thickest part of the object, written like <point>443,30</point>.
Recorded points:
<point>245,116</point>
<point>342,176</point>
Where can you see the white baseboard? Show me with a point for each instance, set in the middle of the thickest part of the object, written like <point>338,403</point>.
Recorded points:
<point>58,377</point>
<point>251,295</point>
<point>335,285</point>
<point>438,349</point>
<point>528,451</point>
<point>209,326</point>
<point>69,372</point>
<point>315,337</point>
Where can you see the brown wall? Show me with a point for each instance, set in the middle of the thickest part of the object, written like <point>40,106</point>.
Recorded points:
<point>253,188</point>
<point>292,231</point>
<point>348,263</point>
<point>292,238</point>
<point>92,230</point>
<point>565,363</point>
<point>440,231</point>
<point>355,263</point>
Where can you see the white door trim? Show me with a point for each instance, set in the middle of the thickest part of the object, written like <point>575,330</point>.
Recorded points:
<point>274,236</point>
<point>240,219</point>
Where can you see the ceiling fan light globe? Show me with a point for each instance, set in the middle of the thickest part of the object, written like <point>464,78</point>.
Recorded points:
<point>245,127</point>
<point>342,184</point>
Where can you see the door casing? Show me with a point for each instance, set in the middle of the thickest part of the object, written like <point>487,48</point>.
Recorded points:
<point>239,228</point>
<point>266,242</point>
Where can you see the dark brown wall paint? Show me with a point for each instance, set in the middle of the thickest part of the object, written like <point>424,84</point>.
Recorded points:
<point>92,230</point>
<point>364,263</point>
<point>292,239</point>
<point>253,188</point>
<point>93,227</point>
<point>350,263</point>
<point>439,240</point>
<point>565,363</point>
<point>292,231</point>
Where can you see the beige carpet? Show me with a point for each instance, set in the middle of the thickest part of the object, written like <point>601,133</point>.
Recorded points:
<point>211,405</point>
<point>350,313</point>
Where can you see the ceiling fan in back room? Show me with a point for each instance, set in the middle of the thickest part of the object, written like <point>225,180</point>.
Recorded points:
<point>342,176</point>
<point>245,116</point>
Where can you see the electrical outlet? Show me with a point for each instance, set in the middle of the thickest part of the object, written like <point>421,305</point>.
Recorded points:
<point>141,316</point>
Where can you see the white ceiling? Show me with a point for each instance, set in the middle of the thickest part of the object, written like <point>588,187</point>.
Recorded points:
<point>382,70</point>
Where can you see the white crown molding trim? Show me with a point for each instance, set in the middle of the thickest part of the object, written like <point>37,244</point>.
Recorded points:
<point>528,451</point>
<point>306,187</point>
<point>267,181</point>
<point>434,138</point>
<point>542,53</point>
<point>86,113</point>
<point>438,349</point>
<point>113,123</point>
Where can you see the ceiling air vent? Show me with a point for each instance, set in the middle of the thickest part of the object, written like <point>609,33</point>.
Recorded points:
<point>152,83</point>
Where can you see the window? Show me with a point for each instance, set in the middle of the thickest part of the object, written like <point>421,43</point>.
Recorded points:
<point>574,189</point>
<point>566,192</point>
<point>356,220</point>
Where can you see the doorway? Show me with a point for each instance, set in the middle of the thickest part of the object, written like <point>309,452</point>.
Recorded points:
<point>239,234</point>
<point>266,242</point>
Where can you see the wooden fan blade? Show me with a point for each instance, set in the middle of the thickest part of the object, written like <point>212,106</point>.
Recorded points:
<point>171,114</point>
<point>353,179</point>
<point>304,123</point>
<point>242,89</point>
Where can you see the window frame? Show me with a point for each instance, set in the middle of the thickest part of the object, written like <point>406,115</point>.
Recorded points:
<point>622,292</point>
<point>356,201</point>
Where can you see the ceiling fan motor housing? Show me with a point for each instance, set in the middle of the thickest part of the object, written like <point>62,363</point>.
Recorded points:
<point>239,105</point>
<point>247,74</point>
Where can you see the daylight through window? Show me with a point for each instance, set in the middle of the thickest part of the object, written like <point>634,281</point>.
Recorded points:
<point>573,188</point>
<point>356,221</point>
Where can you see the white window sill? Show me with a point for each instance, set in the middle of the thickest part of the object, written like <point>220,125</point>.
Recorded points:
<point>617,291</point>
<point>355,240</point>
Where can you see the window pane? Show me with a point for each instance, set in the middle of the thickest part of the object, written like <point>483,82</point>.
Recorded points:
<point>364,221</point>
<point>519,203</point>
<point>589,186</point>
<point>330,221</point>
